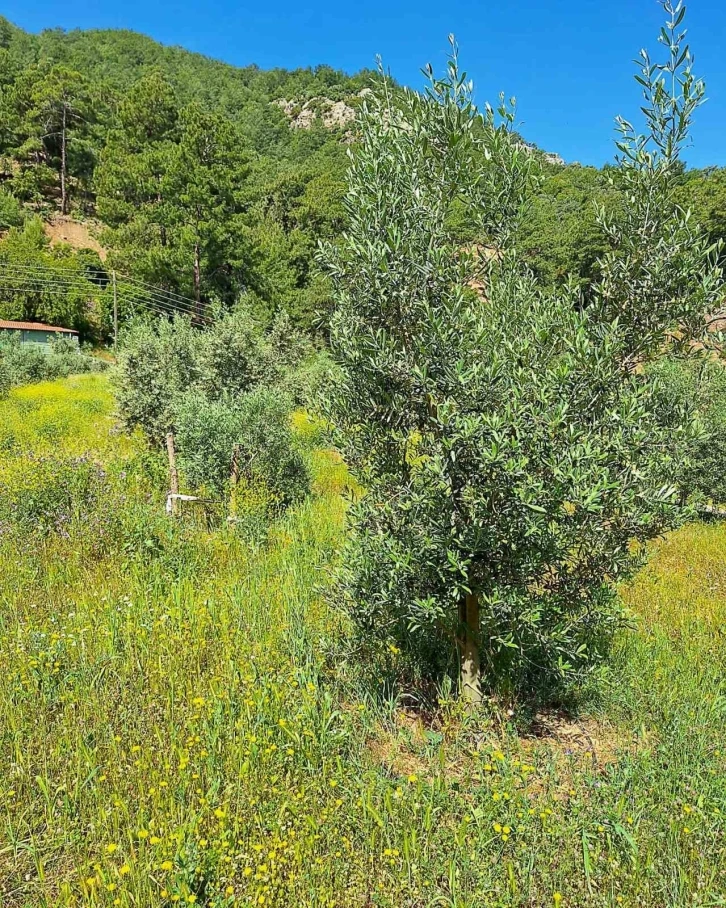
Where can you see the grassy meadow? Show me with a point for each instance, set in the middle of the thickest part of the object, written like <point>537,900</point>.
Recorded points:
<point>180,723</point>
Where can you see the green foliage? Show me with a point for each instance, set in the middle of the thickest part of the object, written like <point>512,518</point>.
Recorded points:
<point>257,425</point>
<point>45,284</point>
<point>560,235</point>
<point>6,378</point>
<point>206,432</point>
<point>23,364</point>
<point>659,278</point>
<point>704,193</point>
<point>267,453</point>
<point>155,365</point>
<point>512,461</point>
<point>251,209</point>
<point>11,214</point>
<point>50,111</point>
<point>191,164</point>
<point>233,356</point>
<point>696,385</point>
<point>200,663</point>
<point>214,390</point>
<point>51,494</point>
<point>170,185</point>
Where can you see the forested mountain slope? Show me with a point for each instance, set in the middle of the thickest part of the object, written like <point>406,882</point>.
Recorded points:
<point>198,169</point>
<point>116,59</point>
<point>214,181</point>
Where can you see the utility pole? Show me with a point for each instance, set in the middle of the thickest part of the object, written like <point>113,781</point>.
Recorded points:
<point>115,312</point>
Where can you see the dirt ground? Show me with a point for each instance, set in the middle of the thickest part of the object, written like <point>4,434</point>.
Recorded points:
<point>77,234</point>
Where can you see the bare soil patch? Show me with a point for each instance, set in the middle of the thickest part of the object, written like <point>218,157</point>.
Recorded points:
<point>78,234</point>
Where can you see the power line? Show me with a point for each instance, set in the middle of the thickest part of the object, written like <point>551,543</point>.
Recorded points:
<point>168,295</point>
<point>191,310</point>
<point>44,273</point>
<point>62,287</point>
<point>46,279</point>
<point>144,284</point>
<point>135,302</point>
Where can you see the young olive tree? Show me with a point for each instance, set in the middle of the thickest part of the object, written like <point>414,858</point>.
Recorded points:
<point>220,392</point>
<point>505,435</point>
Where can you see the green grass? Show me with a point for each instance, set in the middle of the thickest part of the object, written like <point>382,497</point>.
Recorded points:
<point>177,724</point>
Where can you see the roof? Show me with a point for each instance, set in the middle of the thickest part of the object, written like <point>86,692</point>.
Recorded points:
<point>34,326</point>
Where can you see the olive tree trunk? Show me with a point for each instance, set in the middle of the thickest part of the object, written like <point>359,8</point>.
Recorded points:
<point>173,475</point>
<point>469,650</point>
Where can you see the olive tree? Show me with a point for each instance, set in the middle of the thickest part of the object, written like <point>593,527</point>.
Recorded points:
<point>504,434</point>
<point>219,391</point>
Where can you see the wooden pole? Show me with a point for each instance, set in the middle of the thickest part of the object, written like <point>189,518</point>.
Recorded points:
<point>234,480</point>
<point>469,651</point>
<point>197,281</point>
<point>173,474</point>
<point>115,311</point>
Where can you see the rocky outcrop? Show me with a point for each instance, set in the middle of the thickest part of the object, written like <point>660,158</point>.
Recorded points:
<point>550,157</point>
<point>332,114</point>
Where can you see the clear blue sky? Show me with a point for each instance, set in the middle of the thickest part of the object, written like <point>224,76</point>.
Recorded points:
<point>568,62</point>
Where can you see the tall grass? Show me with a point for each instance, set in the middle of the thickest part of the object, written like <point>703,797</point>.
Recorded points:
<point>179,721</point>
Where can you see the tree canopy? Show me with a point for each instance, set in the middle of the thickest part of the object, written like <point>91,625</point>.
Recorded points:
<point>503,428</point>
<point>107,124</point>
<point>203,181</point>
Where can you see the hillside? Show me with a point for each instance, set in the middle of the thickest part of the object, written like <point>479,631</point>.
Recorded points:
<point>116,59</point>
<point>219,194</point>
<point>212,182</point>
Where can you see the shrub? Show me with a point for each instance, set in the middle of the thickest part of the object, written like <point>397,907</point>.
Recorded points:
<point>24,364</point>
<point>11,212</point>
<point>158,363</point>
<point>5,378</point>
<point>235,355</point>
<point>155,365</point>
<point>505,436</point>
<point>258,425</point>
<point>287,347</point>
<point>214,390</point>
<point>267,452</point>
<point>696,385</point>
<point>231,355</point>
<point>206,432</point>
<point>306,383</point>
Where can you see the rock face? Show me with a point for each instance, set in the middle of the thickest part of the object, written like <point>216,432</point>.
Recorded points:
<point>339,115</point>
<point>332,114</point>
<point>550,157</point>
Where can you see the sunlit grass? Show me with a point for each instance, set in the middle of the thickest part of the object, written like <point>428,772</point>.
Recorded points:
<point>179,720</point>
<point>75,414</point>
